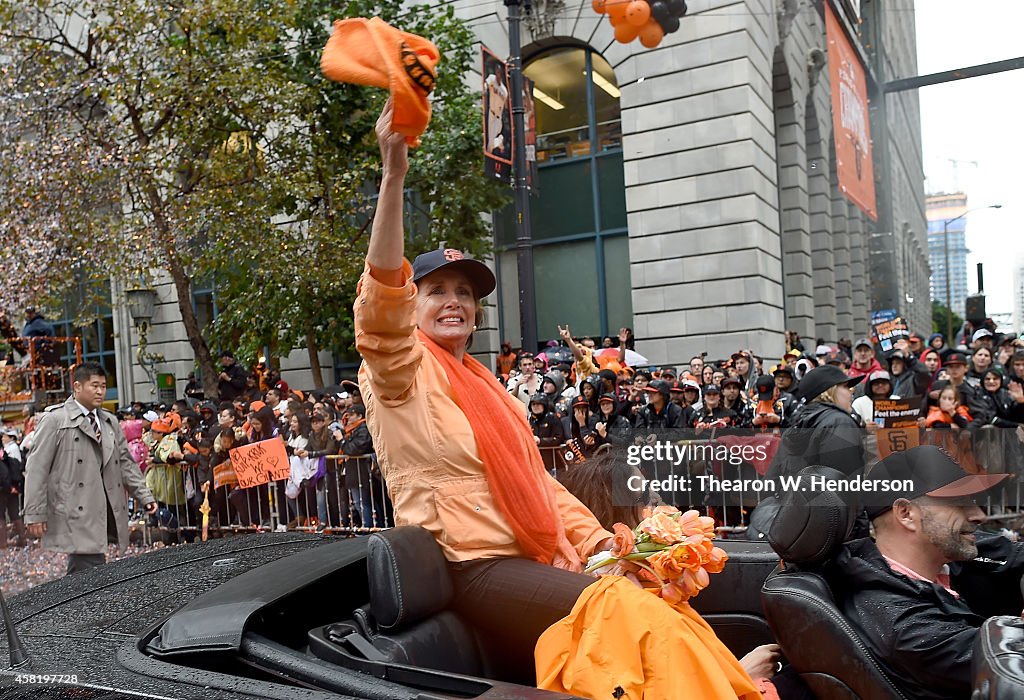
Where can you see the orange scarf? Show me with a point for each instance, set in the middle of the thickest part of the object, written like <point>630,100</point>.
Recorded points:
<point>352,426</point>
<point>512,462</point>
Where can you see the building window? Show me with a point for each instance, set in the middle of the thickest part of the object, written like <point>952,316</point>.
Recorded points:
<point>97,333</point>
<point>204,301</point>
<point>578,217</point>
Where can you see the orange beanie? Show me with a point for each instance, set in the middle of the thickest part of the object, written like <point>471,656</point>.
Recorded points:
<point>372,52</point>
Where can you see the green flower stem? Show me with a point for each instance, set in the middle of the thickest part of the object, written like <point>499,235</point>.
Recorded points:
<point>635,556</point>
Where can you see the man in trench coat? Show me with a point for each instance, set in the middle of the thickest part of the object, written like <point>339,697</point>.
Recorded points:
<point>77,473</point>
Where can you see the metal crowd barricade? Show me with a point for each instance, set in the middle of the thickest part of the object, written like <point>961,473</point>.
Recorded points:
<point>350,498</point>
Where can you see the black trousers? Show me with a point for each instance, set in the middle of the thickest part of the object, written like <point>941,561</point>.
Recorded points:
<point>510,602</point>
<point>81,562</point>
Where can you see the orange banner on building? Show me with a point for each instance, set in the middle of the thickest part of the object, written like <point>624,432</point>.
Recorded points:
<point>850,118</point>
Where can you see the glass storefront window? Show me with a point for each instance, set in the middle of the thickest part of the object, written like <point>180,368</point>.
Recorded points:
<point>578,214</point>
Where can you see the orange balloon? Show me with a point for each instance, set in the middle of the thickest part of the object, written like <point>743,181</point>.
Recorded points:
<point>598,6</point>
<point>616,10</point>
<point>638,12</point>
<point>626,32</point>
<point>651,34</point>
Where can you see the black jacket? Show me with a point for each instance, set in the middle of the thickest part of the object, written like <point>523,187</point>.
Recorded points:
<point>650,419</point>
<point>707,415</point>
<point>913,381</point>
<point>574,430</point>
<point>356,443</point>
<point>11,473</point>
<point>548,428</point>
<point>1000,410</point>
<point>618,429</point>
<point>234,386</point>
<point>920,634</point>
<point>821,433</point>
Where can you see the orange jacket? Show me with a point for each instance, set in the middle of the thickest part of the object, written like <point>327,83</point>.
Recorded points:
<point>424,442</point>
<point>936,416</point>
<point>621,636</point>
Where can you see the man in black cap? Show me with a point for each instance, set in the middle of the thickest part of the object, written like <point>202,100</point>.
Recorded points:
<point>900,590</point>
<point>660,413</point>
<point>955,365</point>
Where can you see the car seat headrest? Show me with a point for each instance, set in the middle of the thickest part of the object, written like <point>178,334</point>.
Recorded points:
<point>812,521</point>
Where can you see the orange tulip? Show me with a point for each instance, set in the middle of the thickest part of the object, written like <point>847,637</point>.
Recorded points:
<point>661,527</point>
<point>623,541</point>
<point>672,593</point>
<point>716,561</point>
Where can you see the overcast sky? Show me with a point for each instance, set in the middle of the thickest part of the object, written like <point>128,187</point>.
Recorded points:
<point>980,120</point>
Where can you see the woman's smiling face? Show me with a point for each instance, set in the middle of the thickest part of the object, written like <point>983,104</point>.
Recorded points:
<point>446,309</point>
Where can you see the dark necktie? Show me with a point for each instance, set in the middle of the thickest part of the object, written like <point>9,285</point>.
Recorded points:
<point>95,425</point>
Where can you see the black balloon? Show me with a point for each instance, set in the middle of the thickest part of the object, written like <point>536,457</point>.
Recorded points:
<point>660,12</point>
<point>670,25</point>
<point>677,7</point>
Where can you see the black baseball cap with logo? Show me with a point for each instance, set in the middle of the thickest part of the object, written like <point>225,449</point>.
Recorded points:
<point>931,471</point>
<point>480,276</point>
<point>821,378</point>
<point>955,358</point>
<point>659,386</point>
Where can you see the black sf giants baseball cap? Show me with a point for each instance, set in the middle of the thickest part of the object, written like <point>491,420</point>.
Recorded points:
<point>929,471</point>
<point>479,275</point>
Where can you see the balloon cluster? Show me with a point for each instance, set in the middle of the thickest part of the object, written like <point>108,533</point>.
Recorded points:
<point>650,20</point>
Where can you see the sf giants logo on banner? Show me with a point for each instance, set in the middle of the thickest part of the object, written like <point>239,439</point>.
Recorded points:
<point>850,118</point>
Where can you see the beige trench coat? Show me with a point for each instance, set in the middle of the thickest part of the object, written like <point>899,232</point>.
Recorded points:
<point>64,486</point>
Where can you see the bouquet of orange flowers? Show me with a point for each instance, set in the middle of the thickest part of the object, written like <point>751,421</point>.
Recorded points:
<point>669,551</point>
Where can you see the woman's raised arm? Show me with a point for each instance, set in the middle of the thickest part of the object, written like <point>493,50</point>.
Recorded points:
<point>387,238</point>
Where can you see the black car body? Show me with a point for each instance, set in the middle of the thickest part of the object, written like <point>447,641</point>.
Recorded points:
<point>247,617</point>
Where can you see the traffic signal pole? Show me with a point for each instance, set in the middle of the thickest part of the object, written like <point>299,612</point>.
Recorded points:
<point>524,237</point>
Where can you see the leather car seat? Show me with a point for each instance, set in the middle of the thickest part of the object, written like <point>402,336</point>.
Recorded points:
<point>799,606</point>
<point>407,619</point>
<point>998,661</point>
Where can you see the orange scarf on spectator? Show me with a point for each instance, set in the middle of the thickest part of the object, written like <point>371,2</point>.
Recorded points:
<point>353,425</point>
<point>514,468</point>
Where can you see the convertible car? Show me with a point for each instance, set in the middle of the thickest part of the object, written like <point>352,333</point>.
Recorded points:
<point>295,616</point>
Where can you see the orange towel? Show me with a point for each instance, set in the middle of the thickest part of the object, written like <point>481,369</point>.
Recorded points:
<point>620,641</point>
<point>372,52</point>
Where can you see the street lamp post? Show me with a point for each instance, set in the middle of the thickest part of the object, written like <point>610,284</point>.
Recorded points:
<point>949,288</point>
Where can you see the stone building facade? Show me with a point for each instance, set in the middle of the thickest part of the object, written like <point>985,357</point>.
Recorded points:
<point>737,228</point>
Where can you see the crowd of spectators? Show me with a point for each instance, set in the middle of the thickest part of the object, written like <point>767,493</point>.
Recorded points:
<point>578,395</point>
<point>584,396</point>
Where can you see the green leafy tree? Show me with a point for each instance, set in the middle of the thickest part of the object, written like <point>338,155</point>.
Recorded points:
<point>306,287</point>
<point>199,139</point>
<point>940,320</point>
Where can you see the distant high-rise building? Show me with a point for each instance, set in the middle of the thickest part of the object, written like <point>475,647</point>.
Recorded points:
<point>946,218</point>
<point>1018,295</point>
